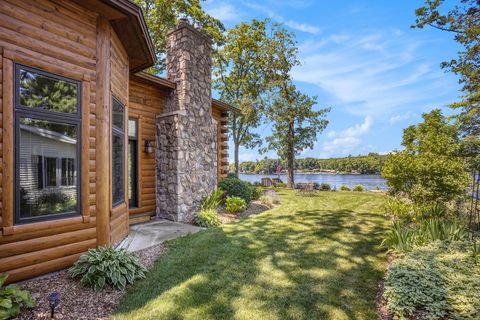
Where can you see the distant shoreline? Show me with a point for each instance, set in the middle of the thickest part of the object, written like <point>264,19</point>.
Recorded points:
<point>320,173</point>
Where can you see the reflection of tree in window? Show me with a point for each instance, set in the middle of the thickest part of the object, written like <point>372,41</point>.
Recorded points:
<point>40,91</point>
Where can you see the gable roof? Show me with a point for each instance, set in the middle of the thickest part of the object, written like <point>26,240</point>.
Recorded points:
<point>129,24</point>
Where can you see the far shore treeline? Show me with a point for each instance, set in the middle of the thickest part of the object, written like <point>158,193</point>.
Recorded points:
<point>366,164</point>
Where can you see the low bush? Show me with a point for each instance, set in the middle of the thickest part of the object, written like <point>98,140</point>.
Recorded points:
<point>107,266</point>
<point>12,298</point>
<point>344,188</point>
<point>235,204</point>
<point>256,192</point>
<point>207,218</point>
<point>270,199</point>
<point>440,280</point>
<point>400,209</point>
<point>403,237</point>
<point>234,187</point>
<point>325,187</point>
<point>358,188</point>
<point>213,200</point>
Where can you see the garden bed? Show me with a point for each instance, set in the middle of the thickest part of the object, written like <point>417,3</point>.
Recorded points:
<point>77,301</point>
<point>255,207</point>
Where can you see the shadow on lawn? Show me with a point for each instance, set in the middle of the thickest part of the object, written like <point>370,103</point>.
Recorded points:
<point>310,264</point>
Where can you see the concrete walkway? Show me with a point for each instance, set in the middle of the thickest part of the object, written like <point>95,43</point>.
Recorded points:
<point>148,234</point>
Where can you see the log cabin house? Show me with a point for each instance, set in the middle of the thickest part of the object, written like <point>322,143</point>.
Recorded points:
<point>90,143</point>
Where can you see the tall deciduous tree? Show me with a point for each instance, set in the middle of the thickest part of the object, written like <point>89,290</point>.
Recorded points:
<point>243,77</point>
<point>162,15</point>
<point>462,20</point>
<point>429,169</point>
<point>295,125</point>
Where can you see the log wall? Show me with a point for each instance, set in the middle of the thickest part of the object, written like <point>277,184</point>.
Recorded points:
<point>146,102</point>
<point>119,88</point>
<point>59,37</point>
<point>222,135</point>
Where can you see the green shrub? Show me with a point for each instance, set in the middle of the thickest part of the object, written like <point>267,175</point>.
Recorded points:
<point>12,298</point>
<point>107,266</point>
<point>235,204</point>
<point>344,188</point>
<point>358,188</point>
<point>440,279</point>
<point>325,187</point>
<point>234,187</point>
<point>430,211</point>
<point>399,238</point>
<point>400,209</point>
<point>207,218</point>
<point>256,192</point>
<point>213,200</point>
<point>402,237</point>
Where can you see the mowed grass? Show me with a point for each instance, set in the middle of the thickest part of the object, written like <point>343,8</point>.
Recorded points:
<point>310,258</point>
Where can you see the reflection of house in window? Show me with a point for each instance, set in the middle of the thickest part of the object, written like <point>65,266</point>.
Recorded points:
<point>47,163</point>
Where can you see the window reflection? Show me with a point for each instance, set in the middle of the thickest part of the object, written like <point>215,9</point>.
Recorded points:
<point>48,172</point>
<point>37,90</point>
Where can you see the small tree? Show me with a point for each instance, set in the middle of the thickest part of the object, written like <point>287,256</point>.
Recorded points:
<point>243,76</point>
<point>430,168</point>
<point>295,125</point>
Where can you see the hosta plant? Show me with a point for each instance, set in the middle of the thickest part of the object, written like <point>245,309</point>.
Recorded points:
<point>207,218</point>
<point>235,204</point>
<point>106,266</point>
<point>12,298</point>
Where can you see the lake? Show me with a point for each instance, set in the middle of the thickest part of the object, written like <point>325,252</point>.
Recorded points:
<point>369,181</point>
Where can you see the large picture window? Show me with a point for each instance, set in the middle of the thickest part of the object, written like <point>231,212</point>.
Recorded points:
<point>118,147</point>
<point>47,145</point>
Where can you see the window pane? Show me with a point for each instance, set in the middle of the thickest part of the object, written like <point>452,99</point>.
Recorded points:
<point>42,146</point>
<point>132,128</point>
<point>117,116</point>
<point>68,172</point>
<point>40,91</point>
<point>117,169</point>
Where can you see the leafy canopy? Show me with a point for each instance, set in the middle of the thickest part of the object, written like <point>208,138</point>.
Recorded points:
<point>162,15</point>
<point>429,169</point>
<point>463,20</point>
<point>244,70</point>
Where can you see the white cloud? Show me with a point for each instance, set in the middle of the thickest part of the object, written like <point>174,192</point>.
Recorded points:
<point>375,73</point>
<point>224,12</point>
<point>347,141</point>
<point>303,27</point>
<point>400,117</point>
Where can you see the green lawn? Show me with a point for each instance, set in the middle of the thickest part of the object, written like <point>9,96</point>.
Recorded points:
<point>310,258</point>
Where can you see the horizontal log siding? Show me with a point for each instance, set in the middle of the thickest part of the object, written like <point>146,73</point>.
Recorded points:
<point>222,142</point>
<point>119,88</point>
<point>146,102</point>
<point>59,37</point>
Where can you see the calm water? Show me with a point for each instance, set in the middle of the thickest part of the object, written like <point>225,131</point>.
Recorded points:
<point>369,181</point>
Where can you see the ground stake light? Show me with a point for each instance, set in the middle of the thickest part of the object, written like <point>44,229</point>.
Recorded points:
<point>53,299</point>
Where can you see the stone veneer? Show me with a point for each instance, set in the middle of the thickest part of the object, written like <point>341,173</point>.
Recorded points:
<point>186,132</point>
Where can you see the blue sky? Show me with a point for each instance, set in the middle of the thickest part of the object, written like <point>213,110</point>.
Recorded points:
<point>362,59</point>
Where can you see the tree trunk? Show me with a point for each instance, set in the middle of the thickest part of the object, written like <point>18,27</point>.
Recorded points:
<point>290,157</point>
<point>235,152</point>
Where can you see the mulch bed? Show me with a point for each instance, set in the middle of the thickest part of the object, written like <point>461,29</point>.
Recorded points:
<point>255,207</point>
<point>77,301</point>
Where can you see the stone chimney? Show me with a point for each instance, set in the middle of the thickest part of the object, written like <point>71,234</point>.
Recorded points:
<point>186,131</point>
